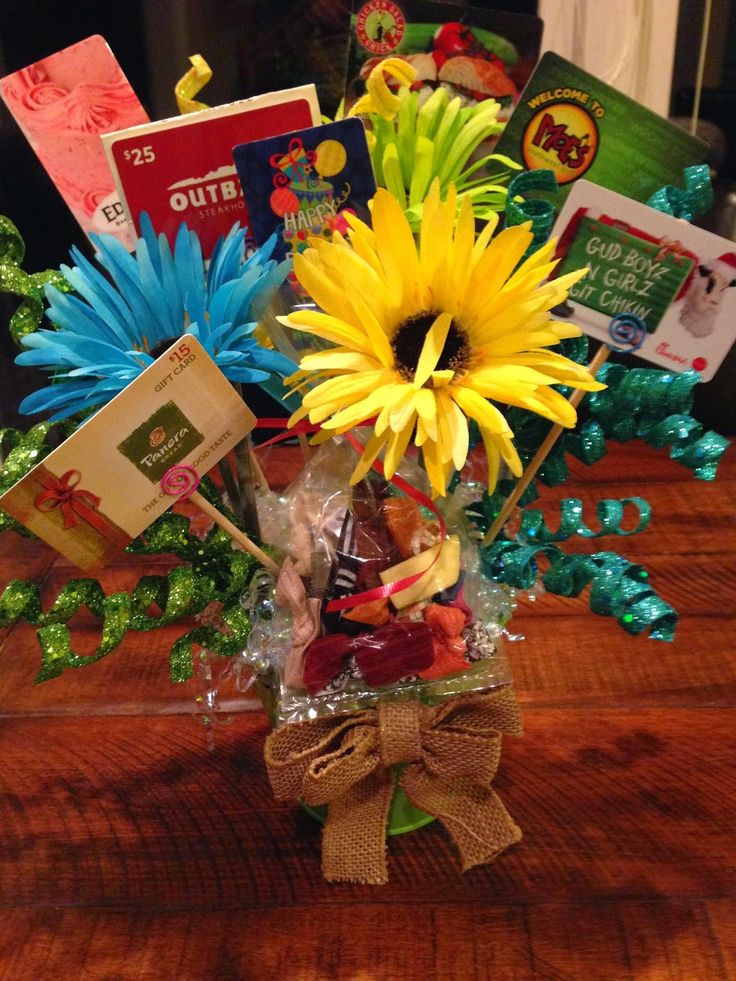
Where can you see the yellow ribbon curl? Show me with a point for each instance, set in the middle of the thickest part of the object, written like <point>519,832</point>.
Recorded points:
<point>191,84</point>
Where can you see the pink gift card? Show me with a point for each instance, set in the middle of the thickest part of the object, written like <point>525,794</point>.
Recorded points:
<point>182,169</point>
<point>62,104</point>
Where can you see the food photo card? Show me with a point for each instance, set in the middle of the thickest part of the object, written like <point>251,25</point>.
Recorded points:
<point>91,496</point>
<point>570,122</point>
<point>474,53</point>
<point>63,104</point>
<point>303,183</point>
<point>181,169</point>
<point>679,280</point>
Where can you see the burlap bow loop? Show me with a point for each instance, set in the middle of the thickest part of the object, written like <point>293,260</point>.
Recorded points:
<point>450,751</point>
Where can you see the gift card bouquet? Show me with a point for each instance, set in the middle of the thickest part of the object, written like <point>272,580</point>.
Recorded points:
<point>419,352</point>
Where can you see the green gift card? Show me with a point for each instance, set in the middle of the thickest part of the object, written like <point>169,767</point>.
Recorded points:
<point>571,123</point>
<point>631,274</point>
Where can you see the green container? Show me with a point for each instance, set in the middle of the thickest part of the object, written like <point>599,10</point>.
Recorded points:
<point>403,816</point>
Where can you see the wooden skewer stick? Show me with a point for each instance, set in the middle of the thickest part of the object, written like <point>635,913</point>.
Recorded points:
<point>258,474</point>
<point>182,482</point>
<point>551,438</point>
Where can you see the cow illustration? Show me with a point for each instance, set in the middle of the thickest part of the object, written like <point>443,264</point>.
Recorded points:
<point>705,293</point>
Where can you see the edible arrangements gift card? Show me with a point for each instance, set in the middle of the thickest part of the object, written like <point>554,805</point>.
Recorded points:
<point>679,280</point>
<point>101,488</point>
<point>182,169</point>
<point>571,123</point>
<point>63,104</point>
<point>473,53</point>
<point>301,184</point>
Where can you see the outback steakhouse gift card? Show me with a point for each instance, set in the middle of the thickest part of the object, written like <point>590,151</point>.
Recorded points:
<point>182,169</point>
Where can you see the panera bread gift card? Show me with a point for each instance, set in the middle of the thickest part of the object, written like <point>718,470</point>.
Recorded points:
<point>301,184</point>
<point>571,123</point>
<point>679,280</point>
<point>63,103</point>
<point>473,53</point>
<point>101,488</point>
<point>182,169</point>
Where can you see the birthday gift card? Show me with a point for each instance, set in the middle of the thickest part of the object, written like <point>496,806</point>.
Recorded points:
<point>476,54</point>
<point>571,123</point>
<point>181,169</point>
<point>95,493</point>
<point>679,280</point>
<point>63,104</point>
<point>303,183</point>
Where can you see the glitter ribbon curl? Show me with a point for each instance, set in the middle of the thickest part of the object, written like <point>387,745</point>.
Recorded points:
<point>214,572</point>
<point>694,200</point>
<point>28,286</point>
<point>541,213</point>
<point>619,588</point>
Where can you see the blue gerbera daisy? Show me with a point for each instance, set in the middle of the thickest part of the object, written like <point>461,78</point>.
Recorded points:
<point>114,328</point>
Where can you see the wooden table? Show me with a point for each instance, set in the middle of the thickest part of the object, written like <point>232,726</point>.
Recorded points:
<point>127,850</point>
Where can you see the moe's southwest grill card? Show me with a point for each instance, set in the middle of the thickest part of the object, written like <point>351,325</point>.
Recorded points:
<point>101,488</point>
<point>182,169</point>
<point>679,280</point>
<point>303,183</point>
<point>63,104</point>
<point>571,123</point>
<point>473,53</point>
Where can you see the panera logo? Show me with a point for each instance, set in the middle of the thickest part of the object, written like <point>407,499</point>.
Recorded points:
<point>161,441</point>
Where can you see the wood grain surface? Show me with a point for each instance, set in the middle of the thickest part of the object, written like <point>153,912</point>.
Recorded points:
<point>129,850</point>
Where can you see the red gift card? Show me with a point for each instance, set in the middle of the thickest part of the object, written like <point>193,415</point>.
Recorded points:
<point>182,169</point>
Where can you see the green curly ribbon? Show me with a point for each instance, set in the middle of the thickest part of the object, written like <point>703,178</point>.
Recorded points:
<point>217,573</point>
<point>29,286</point>
<point>654,406</point>
<point>541,213</point>
<point>610,513</point>
<point>213,572</point>
<point>619,588</point>
<point>21,452</point>
<point>694,200</point>
<point>534,529</point>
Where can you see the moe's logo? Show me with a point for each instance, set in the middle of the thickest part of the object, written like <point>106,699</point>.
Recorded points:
<point>562,136</point>
<point>161,441</point>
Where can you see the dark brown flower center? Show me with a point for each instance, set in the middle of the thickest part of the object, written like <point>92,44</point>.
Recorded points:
<point>159,348</point>
<point>409,340</point>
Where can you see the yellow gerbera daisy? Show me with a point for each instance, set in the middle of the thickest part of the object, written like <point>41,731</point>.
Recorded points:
<point>429,331</point>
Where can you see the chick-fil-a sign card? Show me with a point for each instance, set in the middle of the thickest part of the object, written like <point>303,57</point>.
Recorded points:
<point>181,169</point>
<point>677,279</point>
<point>101,488</point>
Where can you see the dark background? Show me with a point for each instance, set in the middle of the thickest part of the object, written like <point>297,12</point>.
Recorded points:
<point>255,46</point>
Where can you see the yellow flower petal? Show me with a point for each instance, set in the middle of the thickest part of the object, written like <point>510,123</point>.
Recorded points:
<point>434,344</point>
<point>372,448</point>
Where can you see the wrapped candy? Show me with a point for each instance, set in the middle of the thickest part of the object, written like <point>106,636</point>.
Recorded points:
<point>382,590</point>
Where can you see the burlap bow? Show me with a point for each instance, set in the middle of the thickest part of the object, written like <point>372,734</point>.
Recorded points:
<point>452,751</point>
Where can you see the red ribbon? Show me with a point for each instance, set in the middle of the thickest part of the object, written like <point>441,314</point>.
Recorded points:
<point>64,493</point>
